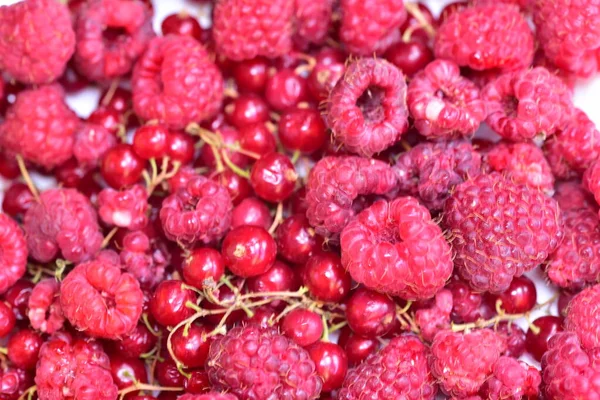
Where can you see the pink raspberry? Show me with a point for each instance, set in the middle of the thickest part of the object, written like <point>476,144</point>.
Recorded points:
<point>435,318</point>
<point>71,368</point>
<point>462,361</point>
<point>244,29</point>
<point>568,371</point>
<point>45,312</point>
<point>569,33</point>
<point>13,253</point>
<point>255,362</point>
<point>333,185</point>
<point>366,109</point>
<point>444,104</point>
<point>62,223</point>
<point>583,317</point>
<point>208,396</point>
<point>522,163</point>
<point>430,171</point>
<point>126,208</point>
<point>486,36</point>
<point>40,126</point>
<point>144,258</point>
<point>96,297</point>
<point>512,379</point>
<point>591,180</point>
<point>313,20</point>
<point>500,230</point>
<point>102,55</point>
<point>91,143</point>
<point>200,212</point>
<point>572,196</point>
<point>176,83</point>
<point>398,371</point>
<point>395,248</point>
<point>36,40</point>
<point>371,26</point>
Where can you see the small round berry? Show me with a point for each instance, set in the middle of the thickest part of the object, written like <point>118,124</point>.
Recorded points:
<point>285,90</point>
<point>273,177</point>
<point>190,345</point>
<point>324,77</point>
<point>17,199</point>
<point>249,251</point>
<point>23,348</point>
<point>185,25</point>
<point>302,129</point>
<point>357,348</point>
<point>203,264</point>
<point>230,137</point>
<point>537,338</point>
<point>279,278</point>
<point>121,166</point>
<point>17,297</point>
<point>325,278</point>
<point>409,57</point>
<point>150,141</point>
<point>370,314</point>
<point>167,374</point>
<point>180,147</point>
<point>138,342</point>
<point>251,211</point>
<point>127,371</point>
<point>108,118</point>
<point>296,239</point>
<point>238,187</point>
<point>7,319</point>
<point>263,316</point>
<point>515,338</point>
<point>197,382</point>
<point>520,297</point>
<point>258,139</point>
<point>251,75</point>
<point>118,100</point>
<point>246,110</point>
<point>331,363</point>
<point>168,304</point>
<point>302,326</point>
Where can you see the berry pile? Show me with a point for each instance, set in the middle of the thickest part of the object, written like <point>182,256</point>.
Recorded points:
<point>299,200</point>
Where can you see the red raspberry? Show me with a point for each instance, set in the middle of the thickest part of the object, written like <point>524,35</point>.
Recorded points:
<point>511,379</point>
<point>13,253</point>
<point>429,171</point>
<point>486,36</point>
<point>443,103</point>
<point>40,126</point>
<point>500,230</point>
<point>36,40</point>
<point>145,259</point>
<point>200,212</point>
<point>102,55</point>
<point>396,248</point>
<point>527,104</point>
<point>175,82</point>
<point>371,26</point>
<point>256,362</point>
<point>63,222</point>
<point>312,21</point>
<point>244,29</point>
<point>583,317</point>
<point>124,208</point>
<point>462,361</point>
<point>569,372</point>
<point>398,371</point>
<point>333,185</point>
<point>96,297</point>
<point>45,312</point>
<point>522,163</point>
<point>569,33</point>
<point>366,109</point>
<point>572,196</point>
<point>91,143</point>
<point>73,369</point>
<point>208,396</point>
<point>435,318</point>
<point>591,180</point>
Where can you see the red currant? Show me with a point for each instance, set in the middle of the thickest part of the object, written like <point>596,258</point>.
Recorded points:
<point>286,89</point>
<point>325,277</point>
<point>246,110</point>
<point>168,304</point>
<point>537,343</point>
<point>302,326</point>
<point>273,177</point>
<point>251,211</point>
<point>303,130</point>
<point>150,141</point>
<point>258,139</point>
<point>121,166</point>
<point>17,199</point>
<point>23,348</point>
<point>369,313</point>
<point>190,345</point>
<point>249,251</point>
<point>251,75</point>
<point>202,265</point>
<point>331,364</point>
<point>296,239</point>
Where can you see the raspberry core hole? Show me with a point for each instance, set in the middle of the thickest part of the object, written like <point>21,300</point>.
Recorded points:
<point>370,103</point>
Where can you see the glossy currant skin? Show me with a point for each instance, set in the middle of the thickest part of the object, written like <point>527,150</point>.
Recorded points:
<point>249,250</point>
<point>326,278</point>
<point>121,166</point>
<point>296,239</point>
<point>537,343</point>
<point>192,349</point>
<point>17,297</point>
<point>246,110</point>
<point>302,326</point>
<point>201,265</point>
<point>127,371</point>
<point>410,57</point>
<point>303,130</point>
<point>150,141</point>
<point>251,211</point>
<point>357,347</point>
<point>285,89</point>
<point>369,313</point>
<point>183,24</point>
<point>7,319</point>
<point>520,297</point>
<point>251,75</point>
<point>168,304</point>
<point>331,364</point>
<point>23,348</point>
<point>273,177</point>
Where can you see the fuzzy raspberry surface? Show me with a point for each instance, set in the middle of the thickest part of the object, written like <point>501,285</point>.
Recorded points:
<point>144,258</point>
<point>176,83</point>
<point>571,195</point>
<point>45,312</point>
<point>124,208</point>
<point>591,180</point>
<point>443,103</point>
<point>430,171</point>
<point>437,317</point>
<point>486,36</point>
<point>13,253</point>
<point>36,40</point>
<point>254,362</point>
<point>92,141</point>
<point>583,317</point>
<point>208,396</point>
<point>63,223</point>
<point>333,185</point>
<point>366,109</point>
<point>395,248</point>
<point>398,371</point>
<point>500,230</point>
<point>512,380</point>
<point>244,29</point>
<point>313,20</point>
<point>527,104</point>
<point>40,126</point>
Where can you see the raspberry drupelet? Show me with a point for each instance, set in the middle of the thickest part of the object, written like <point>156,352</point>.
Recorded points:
<point>395,248</point>
<point>313,20</point>
<point>583,317</point>
<point>45,312</point>
<point>144,258</point>
<point>591,180</point>
<point>366,109</point>
<point>433,319</point>
<point>512,379</point>
<point>91,143</point>
<point>125,208</point>
<point>208,396</point>
<point>13,253</point>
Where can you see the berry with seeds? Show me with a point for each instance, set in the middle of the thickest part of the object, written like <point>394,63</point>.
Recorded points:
<point>591,180</point>
<point>91,143</point>
<point>208,396</point>
<point>583,318</point>
<point>249,251</point>
<point>45,312</point>
<point>144,258</point>
<point>466,303</point>
<point>13,253</point>
<point>435,318</point>
<point>273,177</point>
<point>124,209</point>
<point>168,304</point>
<point>370,314</point>
<point>303,326</point>
<point>571,195</point>
<point>515,338</point>
<point>512,379</point>
<point>313,20</point>
<point>325,277</point>
<point>536,341</point>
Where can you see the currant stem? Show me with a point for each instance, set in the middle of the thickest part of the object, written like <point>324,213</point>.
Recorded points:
<point>27,178</point>
<point>28,394</point>
<point>148,388</point>
<point>278,219</point>
<point>414,10</point>
<point>109,237</point>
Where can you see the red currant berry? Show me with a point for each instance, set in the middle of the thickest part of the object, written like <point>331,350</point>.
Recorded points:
<point>197,382</point>
<point>520,297</point>
<point>127,372</point>
<point>330,55</point>
<point>416,26</point>
<point>166,372</point>
<point>563,301</point>
<point>285,90</point>
<point>537,342</point>
<point>138,342</point>
<point>118,100</point>
<point>297,201</point>
<point>279,278</point>
<point>302,129</point>
<point>17,199</point>
<point>17,298</point>
<point>150,141</point>
<point>168,304</point>
<point>262,316</point>
<point>369,313</point>
<point>273,177</point>
<point>302,326</point>
<point>251,211</point>
<point>331,364</point>
<point>325,278</point>
<point>258,139</point>
<point>249,250</point>
<point>238,187</point>
<point>251,75</point>
<point>515,338</point>
<point>23,348</point>
<point>121,166</point>
<point>246,110</point>
<point>7,319</point>
<point>190,346</point>
<point>231,137</point>
<point>296,239</point>
<point>323,78</point>
<point>70,174</point>
<point>410,57</point>
<point>108,118</point>
<point>183,24</point>
<point>357,348</point>
<point>203,264</point>
<point>181,147</point>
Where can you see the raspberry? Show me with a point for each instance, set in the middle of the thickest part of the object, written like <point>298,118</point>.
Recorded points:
<point>40,126</point>
<point>523,164</point>
<point>583,317</point>
<point>366,109</point>
<point>13,253</point>
<point>208,396</point>
<point>244,29</point>
<point>486,36</point>
<point>461,362</point>
<point>255,362</point>
<point>144,259</point>
<point>398,371</point>
<point>333,185</point>
<point>175,82</point>
<point>36,40</point>
<point>124,208</point>
<point>63,222</point>
<point>312,19</point>
<point>200,212</point>
<point>527,104</point>
<point>567,371</point>
<point>444,104</point>
<point>181,178</point>
<point>45,312</point>
<point>511,379</point>
<point>96,297</point>
<point>569,33</point>
<point>572,196</point>
<point>395,248</point>
<point>500,230</point>
<point>91,143</point>
<point>71,368</point>
<point>429,171</point>
<point>102,55</point>
<point>435,318</point>
<point>371,26</point>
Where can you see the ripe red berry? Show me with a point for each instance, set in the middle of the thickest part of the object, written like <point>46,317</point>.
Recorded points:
<point>537,343</point>
<point>357,347</point>
<point>17,297</point>
<point>121,166</point>
<point>279,278</point>
<point>138,342</point>
<point>520,297</point>
<point>302,326</point>
<point>180,147</point>
<point>410,57</point>
<point>249,251</point>
<point>285,89</point>
<point>273,177</point>
<point>331,364</point>
<point>185,25</point>
<point>118,100</point>
<point>246,110</point>
<point>258,139</point>
<point>23,348</point>
<point>251,75</point>
<point>7,319</point>
<point>296,239</point>
<point>238,187</point>
<point>201,265</point>
<point>150,141</point>
<point>190,346</point>
<point>226,297</point>
<point>127,371</point>
<point>302,129</point>
<point>251,211</point>
<point>17,199</point>
<point>325,277</point>
<point>370,314</point>
<point>168,304</point>
<point>198,382</point>
<point>108,118</point>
